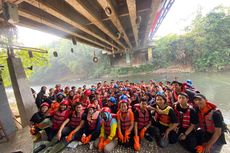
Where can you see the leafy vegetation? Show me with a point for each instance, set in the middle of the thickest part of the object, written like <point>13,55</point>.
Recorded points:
<point>205,44</point>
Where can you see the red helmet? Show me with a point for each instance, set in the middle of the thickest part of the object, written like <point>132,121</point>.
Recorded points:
<point>45,104</point>
<point>106,109</point>
<point>124,101</point>
<point>92,106</point>
<point>64,102</point>
<point>87,92</point>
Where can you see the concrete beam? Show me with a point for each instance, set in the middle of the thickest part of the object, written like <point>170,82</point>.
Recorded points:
<point>123,15</point>
<point>78,6</point>
<point>10,1</point>
<point>55,26</point>
<point>154,7</point>
<point>133,16</point>
<point>6,116</point>
<point>48,9</point>
<point>22,91</point>
<point>114,18</point>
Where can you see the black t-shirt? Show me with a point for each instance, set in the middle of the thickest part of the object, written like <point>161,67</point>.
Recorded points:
<point>37,117</point>
<point>217,119</point>
<point>172,116</point>
<point>193,115</point>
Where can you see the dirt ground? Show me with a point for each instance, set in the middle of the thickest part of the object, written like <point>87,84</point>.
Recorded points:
<point>22,141</point>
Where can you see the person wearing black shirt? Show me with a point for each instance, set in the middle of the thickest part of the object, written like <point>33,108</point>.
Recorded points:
<point>71,129</point>
<point>211,125</point>
<point>188,120</point>
<point>165,121</point>
<point>40,121</point>
<point>178,87</point>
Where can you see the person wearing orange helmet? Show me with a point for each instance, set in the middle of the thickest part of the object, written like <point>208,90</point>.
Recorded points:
<point>107,140</point>
<point>91,129</point>
<point>125,119</point>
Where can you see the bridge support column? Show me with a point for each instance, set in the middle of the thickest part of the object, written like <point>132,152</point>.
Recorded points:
<point>128,58</point>
<point>22,91</point>
<point>150,55</point>
<point>6,116</point>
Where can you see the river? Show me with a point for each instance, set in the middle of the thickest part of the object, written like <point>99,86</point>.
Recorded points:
<point>215,86</point>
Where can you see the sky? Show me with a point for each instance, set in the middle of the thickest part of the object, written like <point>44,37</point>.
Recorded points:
<point>180,15</point>
<point>183,12</point>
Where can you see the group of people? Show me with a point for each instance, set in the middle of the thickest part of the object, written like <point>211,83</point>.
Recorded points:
<point>124,113</point>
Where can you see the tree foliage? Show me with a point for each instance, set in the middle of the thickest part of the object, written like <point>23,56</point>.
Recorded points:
<point>72,65</point>
<point>8,37</point>
<point>205,45</point>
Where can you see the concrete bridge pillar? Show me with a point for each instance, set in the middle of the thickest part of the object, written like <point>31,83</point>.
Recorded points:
<point>128,58</point>
<point>150,55</point>
<point>6,116</point>
<point>22,91</point>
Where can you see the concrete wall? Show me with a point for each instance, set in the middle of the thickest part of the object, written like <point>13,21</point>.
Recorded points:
<point>6,117</point>
<point>137,58</point>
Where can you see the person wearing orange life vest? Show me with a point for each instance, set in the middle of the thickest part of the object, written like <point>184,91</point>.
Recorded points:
<point>142,123</point>
<point>165,122</point>
<point>95,102</point>
<point>211,125</point>
<point>125,119</point>
<point>58,118</point>
<point>107,140</point>
<point>91,129</point>
<point>188,120</point>
<point>71,129</point>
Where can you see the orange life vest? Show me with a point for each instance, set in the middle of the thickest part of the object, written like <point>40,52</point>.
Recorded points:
<point>125,121</point>
<point>206,122</point>
<point>92,120</point>
<point>59,117</point>
<point>143,118</point>
<point>76,119</point>
<point>54,107</point>
<point>164,118</point>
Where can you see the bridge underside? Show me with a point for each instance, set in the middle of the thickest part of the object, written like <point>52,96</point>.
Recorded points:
<point>112,25</point>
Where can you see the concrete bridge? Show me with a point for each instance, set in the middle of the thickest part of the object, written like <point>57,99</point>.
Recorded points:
<point>122,28</point>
